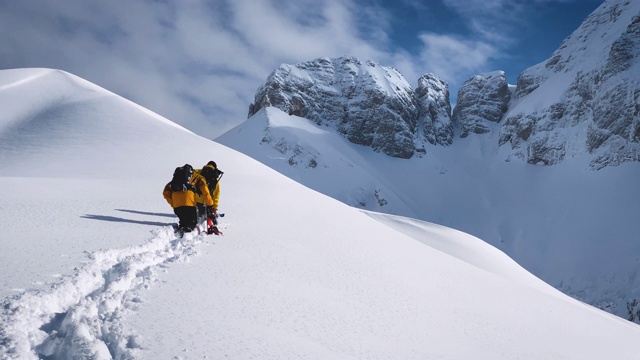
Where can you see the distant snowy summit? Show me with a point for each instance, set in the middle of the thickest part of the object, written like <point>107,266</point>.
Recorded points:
<point>369,104</point>
<point>584,100</point>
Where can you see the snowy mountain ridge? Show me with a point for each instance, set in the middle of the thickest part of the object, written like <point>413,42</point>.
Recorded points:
<point>369,104</point>
<point>581,101</point>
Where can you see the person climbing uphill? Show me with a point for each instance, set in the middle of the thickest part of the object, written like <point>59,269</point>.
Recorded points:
<point>182,192</point>
<point>212,175</point>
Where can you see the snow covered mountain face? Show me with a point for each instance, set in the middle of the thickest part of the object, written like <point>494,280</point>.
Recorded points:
<point>369,104</point>
<point>581,101</point>
<point>585,97</point>
<point>577,112</point>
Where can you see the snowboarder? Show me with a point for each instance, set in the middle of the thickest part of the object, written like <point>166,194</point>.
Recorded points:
<point>212,175</point>
<point>182,192</point>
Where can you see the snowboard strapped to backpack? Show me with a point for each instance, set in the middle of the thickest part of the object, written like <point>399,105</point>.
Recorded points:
<point>181,180</point>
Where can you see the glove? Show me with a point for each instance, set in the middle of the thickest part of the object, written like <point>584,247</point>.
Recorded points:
<point>211,212</point>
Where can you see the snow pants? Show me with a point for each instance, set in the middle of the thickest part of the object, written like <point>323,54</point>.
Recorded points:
<point>188,217</point>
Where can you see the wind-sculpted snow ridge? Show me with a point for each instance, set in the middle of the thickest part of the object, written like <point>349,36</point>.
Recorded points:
<point>80,317</point>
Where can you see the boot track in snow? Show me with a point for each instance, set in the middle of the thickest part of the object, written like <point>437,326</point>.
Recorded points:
<point>81,316</point>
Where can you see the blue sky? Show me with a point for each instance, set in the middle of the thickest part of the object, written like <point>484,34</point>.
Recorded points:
<point>199,63</point>
<point>520,34</point>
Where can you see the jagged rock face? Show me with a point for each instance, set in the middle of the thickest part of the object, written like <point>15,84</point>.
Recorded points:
<point>435,110</point>
<point>587,94</point>
<point>482,100</point>
<point>369,104</point>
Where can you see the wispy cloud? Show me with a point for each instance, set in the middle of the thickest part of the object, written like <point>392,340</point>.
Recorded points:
<point>195,62</point>
<point>199,62</point>
<point>449,56</point>
<point>493,20</point>
<point>491,30</point>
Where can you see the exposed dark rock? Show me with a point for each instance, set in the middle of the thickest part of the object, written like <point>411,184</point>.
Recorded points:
<point>482,100</point>
<point>369,104</point>
<point>435,110</point>
<point>597,110</point>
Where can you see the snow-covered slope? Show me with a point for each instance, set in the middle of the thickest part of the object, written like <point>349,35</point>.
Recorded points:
<point>91,271</point>
<point>569,225</point>
<point>47,110</point>
<point>315,156</point>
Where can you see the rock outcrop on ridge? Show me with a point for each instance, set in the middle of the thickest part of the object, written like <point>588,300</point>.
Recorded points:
<point>369,104</point>
<point>585,99</point>
<point>482,100</point>
<point>435,110</point>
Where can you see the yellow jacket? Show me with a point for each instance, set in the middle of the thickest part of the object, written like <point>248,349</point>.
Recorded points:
<point>215,195</point>
<point>189,198</point>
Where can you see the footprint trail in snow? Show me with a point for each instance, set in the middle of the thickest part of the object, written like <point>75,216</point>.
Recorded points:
<point>80,317</point>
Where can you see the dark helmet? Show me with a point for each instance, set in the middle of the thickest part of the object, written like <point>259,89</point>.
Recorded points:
<point>212,163</point>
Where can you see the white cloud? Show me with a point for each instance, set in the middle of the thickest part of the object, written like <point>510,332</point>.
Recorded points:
<point>496,21</point>
<point>194,62</point>
<point>295,35</point>
<point>499,21</point>
<point>200,62</point>
<point>455,59</point>
<point>449,53</point>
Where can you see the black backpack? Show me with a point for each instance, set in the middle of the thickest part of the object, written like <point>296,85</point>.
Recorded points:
<point>182,179</point>
<point>212,176</point>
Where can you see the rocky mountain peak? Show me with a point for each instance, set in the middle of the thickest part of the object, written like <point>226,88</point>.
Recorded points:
<point>585,98</point>
<point>435,109</point>
<point>369,104</point>
<point>482,100</point>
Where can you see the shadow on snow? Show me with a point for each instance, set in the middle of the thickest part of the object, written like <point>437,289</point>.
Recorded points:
<point>171,215</point>
<point>123,220</point>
